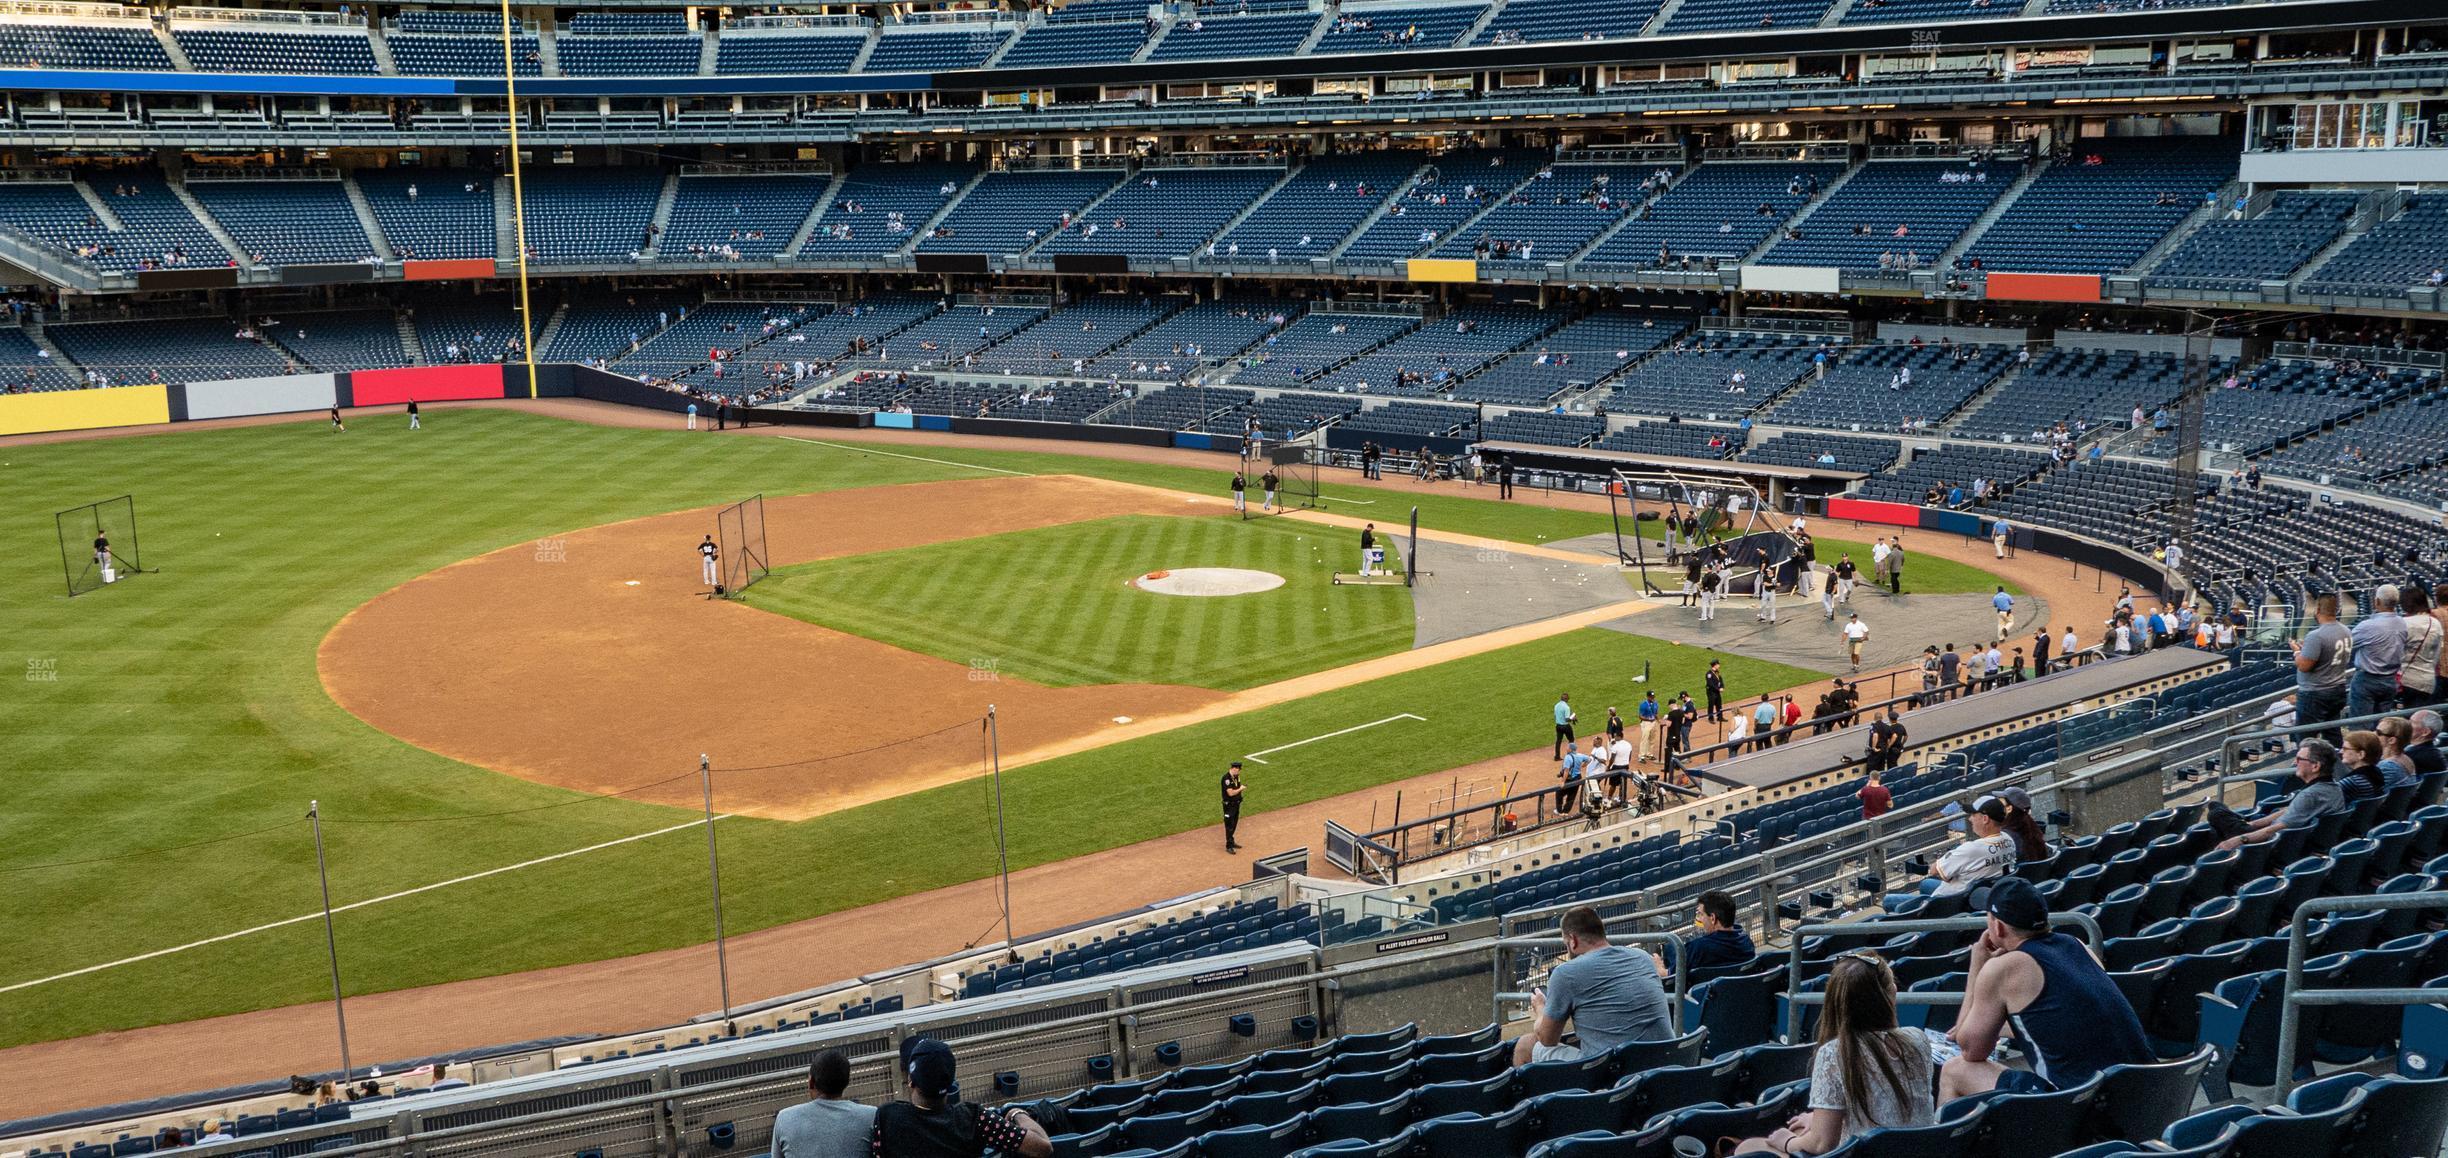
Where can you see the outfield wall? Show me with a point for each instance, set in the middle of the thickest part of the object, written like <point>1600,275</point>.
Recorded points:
<point>152,405</point>
<point>84,409</point>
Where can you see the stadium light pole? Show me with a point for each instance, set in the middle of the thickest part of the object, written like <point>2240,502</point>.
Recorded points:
<point>722,952</point>
<point>994,749</point>
<point>518,194</point>
<point>331,942</point>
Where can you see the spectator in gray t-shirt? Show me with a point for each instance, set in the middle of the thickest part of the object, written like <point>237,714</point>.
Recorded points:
<point>1610,994</point>
<point>826,1126</point>
<point>2324,659</point>
<point>2317,795</point>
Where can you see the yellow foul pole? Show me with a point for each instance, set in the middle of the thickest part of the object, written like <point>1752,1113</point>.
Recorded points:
<point>518,192</point>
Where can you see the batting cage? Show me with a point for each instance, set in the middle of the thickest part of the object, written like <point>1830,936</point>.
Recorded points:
<point>98,543</point>
<point>739,531</point>
<point>1662,516</point>
<point>1295,471</point>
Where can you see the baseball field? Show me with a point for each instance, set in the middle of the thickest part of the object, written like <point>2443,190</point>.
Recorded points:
<point>481,649</point>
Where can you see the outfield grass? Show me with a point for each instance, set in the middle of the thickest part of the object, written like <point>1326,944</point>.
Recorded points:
<point>157,780</point>
<point>1054,605</point>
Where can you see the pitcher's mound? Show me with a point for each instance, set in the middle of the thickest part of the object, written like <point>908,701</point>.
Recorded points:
<point>1208,581</point>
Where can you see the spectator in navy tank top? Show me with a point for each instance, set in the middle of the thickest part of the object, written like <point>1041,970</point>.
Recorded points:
<point>2051,990</point>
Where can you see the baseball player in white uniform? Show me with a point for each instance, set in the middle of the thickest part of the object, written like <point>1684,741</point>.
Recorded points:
<point>709,553</point>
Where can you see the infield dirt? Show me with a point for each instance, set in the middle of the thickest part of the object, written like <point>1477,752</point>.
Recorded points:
<point>591,661</point>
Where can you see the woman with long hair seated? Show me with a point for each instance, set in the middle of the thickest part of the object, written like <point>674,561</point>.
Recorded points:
<point>1867,1073</point>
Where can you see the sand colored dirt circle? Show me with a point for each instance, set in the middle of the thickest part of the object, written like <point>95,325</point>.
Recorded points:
<point>1208,581</point>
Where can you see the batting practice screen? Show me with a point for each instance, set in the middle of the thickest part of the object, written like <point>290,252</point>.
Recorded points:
<point>740,532</point>
<point>86,565</point>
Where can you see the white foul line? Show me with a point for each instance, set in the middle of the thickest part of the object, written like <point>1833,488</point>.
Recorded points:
<point>351,905</point>
<point>891,454</point>
<point>1313,739</point>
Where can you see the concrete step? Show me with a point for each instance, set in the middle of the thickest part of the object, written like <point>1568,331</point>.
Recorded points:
<point>365,220</point>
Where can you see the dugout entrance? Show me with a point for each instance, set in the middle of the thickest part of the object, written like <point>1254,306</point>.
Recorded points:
<point>97,544</point>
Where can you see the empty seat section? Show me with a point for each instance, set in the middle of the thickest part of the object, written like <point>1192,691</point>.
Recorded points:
<point>935,47</point>
<point>1164,212</point>
<point>1396,27</point>
<point>1183,408</point>
<point>2101,208</point>
<point>167,350</point>
<point>2397,254</point>
<point>671,55</point>
<point>1718,211</point>
<point>1698,378</point>
<point>580,216</point>
<point>1549,219</point>
<point>1584,352</point>
<point>2081,388</point>
<point>25,368</point>
<point>1011,210</point>
<point>341,339</point>
<point>1079,42</point>
<point>1213,38</point>
<point>446,218</point>
<point>1677,439</point>
<point>1540,427</point>
<point>1441,352</point>
<point>1529,21</point>
<point>2266,247</point>
<point>228,49</point>
<point>1062,342</point>
<point>1205,332</point>
<point>1322,203</point>
<point>434,43</point>
<point>1316,343</point>
<point>787,52</point>
<point>738,217</point>
<point>1720,15</point>
<point>1453,188</point>
<point>286,222</point>
<point>1902,211</point>
<point>115,45</point>
<point>1830,451</point>
<point>881,207</point>
<point>1890,387</point>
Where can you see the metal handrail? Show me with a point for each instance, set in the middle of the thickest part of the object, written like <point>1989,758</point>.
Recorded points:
<point>1765,870</point>
<point>1795,999</point>
<point>2295,998</point>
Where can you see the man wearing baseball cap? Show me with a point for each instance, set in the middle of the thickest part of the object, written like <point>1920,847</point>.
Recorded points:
<point>935,1123</point>
<point>2069,1017</point>
<point>1988,855</point>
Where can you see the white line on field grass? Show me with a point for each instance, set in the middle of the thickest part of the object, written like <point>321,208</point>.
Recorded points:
<point>316,916</point>
<point>911,457</point>
<point>1314,739</point>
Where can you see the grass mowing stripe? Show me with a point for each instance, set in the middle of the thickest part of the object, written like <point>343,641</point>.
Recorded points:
<point>1053,604</point>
